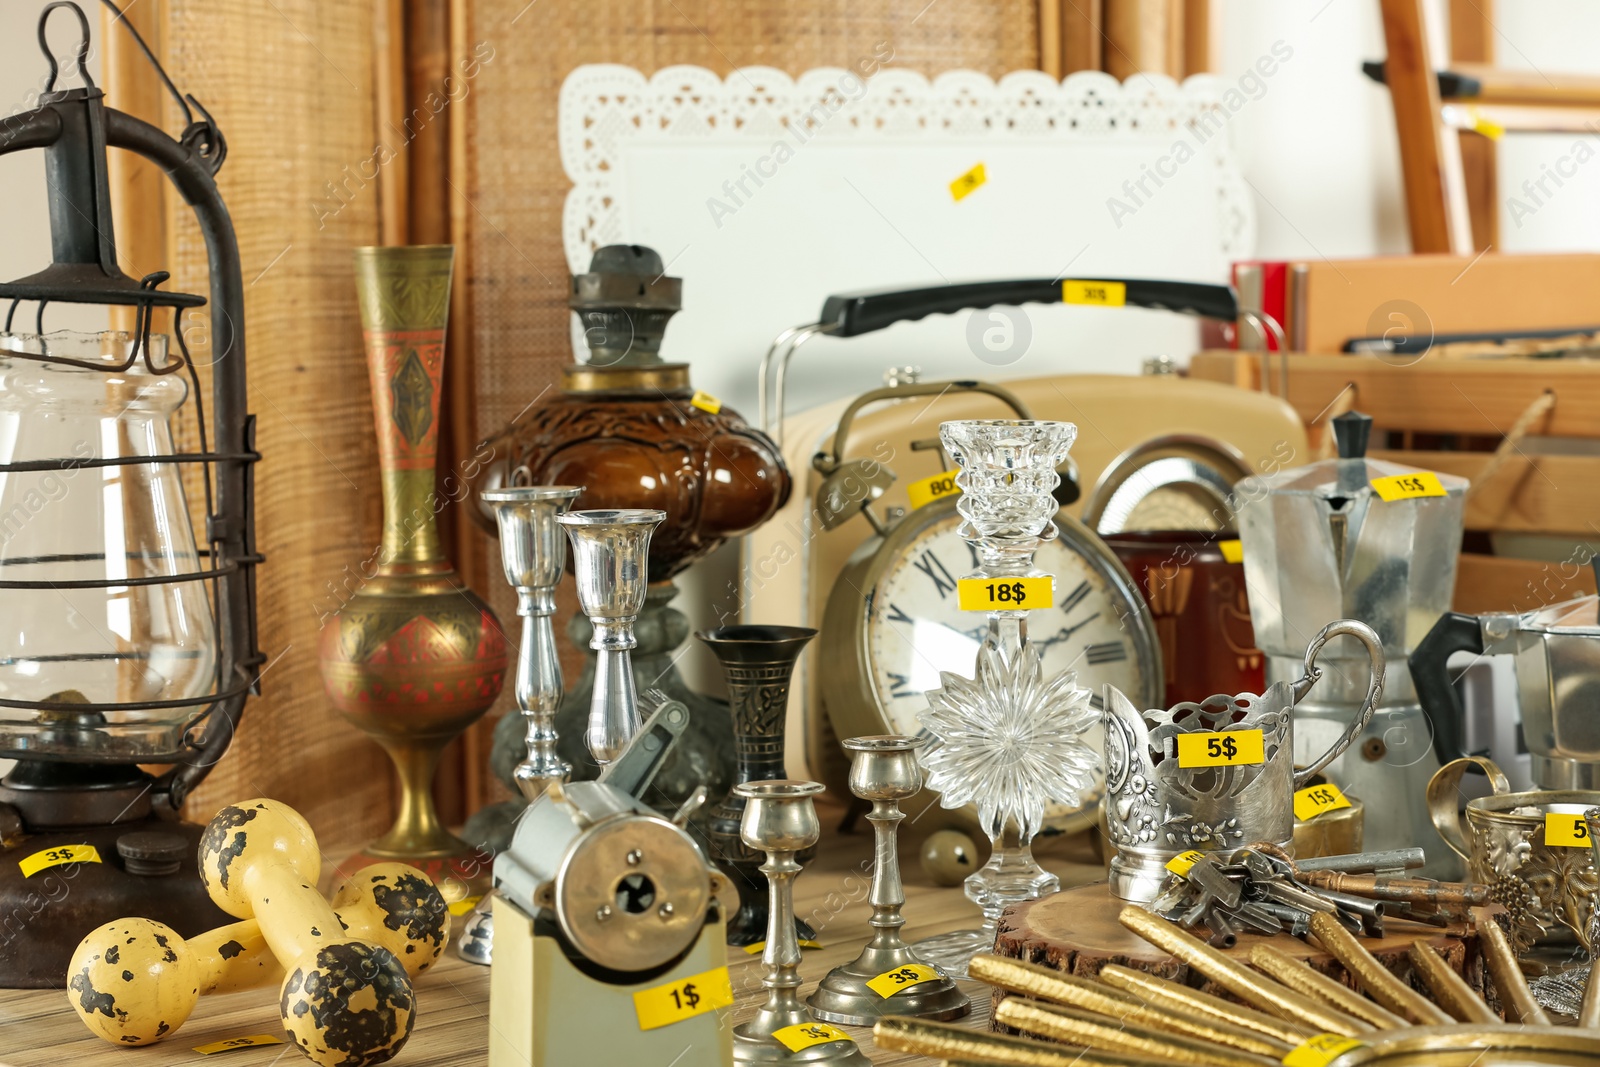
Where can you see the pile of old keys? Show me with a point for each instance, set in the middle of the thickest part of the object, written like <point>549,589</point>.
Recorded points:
<point>1262,890</point>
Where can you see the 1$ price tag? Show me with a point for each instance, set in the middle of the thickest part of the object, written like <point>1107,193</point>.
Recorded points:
<point>1230,748</point>
<point>889,983</point>
<point>1566,829</point>
<point>674,1002</point>
<point>1314,800</point>
<point>1005,594</point>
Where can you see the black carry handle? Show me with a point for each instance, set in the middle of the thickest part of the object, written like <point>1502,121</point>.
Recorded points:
<point>853,314</point>
<point>1454,632</point>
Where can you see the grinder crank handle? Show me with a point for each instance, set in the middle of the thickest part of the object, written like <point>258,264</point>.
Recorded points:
<point>1454,632</point>
<point>854,314</point>
<point>635,767</point>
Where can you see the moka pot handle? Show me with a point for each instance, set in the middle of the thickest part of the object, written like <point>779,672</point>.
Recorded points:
<point>1368,637</point>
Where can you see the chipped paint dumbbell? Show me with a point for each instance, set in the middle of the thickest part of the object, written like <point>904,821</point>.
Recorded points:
<point>389,904</point>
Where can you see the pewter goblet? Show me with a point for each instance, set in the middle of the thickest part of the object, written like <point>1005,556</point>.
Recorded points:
<point>609,553</point>
<point>781,820</point>
<point>885,772</point>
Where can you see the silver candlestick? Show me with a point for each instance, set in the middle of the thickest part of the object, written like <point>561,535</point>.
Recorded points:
<point>885,772</point>
<point>781,820</point>
<point>609,550</point>
<point>534,553</point>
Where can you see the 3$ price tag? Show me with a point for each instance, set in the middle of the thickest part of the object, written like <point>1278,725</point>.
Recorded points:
<point>1408,486</point>
<point>1230,748</point>
<point>1320,1051</point>
<point>1565,829</point>
<point>889,983</point>
<point>1005,594</point>
<point>674,1002</point>
<point>253,1041</point>
<point>55,857</point>
<point>801,1037</point>
<point>937,487</point>
<point>1314,800</point>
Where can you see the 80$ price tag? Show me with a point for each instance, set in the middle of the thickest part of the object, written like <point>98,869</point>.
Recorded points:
<point>802,1036</point>
<point>683,999</point>
<point>1313,800</point>
<point>928,490</point>
<point>889,983</point>
<point>1230,748</point>
<point>1565,829</point>
<point>1005,594</point>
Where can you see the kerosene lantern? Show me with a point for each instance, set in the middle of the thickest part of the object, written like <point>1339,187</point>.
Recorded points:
<point>123,642</point>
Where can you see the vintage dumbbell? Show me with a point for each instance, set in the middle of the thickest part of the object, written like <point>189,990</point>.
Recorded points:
<point>127,990</point>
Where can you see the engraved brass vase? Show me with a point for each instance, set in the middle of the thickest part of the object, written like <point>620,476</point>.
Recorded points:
<point>413,657</point>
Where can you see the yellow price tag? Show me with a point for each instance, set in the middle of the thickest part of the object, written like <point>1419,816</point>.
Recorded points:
<point>800,1037</point>
<point>461,907</point>
<point>1313,800</point>
<point>1005,594</point>
<point>761,946</point>
<point>1232,551</point>
<point>968,183</point>
<point>1183,863</point>
<point>1565,829</point>
<point>1486,126</point>
<point>1231,748</point>
<point>1408,486</point>
<point>1095,294</point>
<point>937,487</point>
<point>889,983</point>
<point>55,857</point>
<point>253,1041</point>
<point>1320,1051</point>
<point>683,999</point>
<point>705,402</point>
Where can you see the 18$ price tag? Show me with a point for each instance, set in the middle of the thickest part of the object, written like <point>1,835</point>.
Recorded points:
<point>1565,829</point>
<point>1320,1051</point>
<point>1230,748</point>
<point>1314,800</point>
<point>801,1037</point>
<point>889,983</point>
<point>1005,594</point>
<point>684,999</point>
<point>55,857</point>
<point>1184,862</point>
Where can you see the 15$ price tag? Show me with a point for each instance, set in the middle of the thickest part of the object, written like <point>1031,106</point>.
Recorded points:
<point>801,1037</point>
<point>937,487</point>
<point>1313,800</point>
<point>1231,748</point>
<point>1565,829</point>
<point>55,857</point>
<point>1320,1051</point>
<point>253,1041</point>
<point>1005,594</point>
<point>1408,486</point>
<point>1094,293</point>
<point>889,983</point>
<point>684,999</point>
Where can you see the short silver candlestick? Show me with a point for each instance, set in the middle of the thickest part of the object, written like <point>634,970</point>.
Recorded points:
<point>885,772</point>
<point>781,820</point>
<point>609,554</point>
<point>534,553</point>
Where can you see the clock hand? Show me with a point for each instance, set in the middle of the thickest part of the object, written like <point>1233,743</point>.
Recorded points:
<point>1066,632</point>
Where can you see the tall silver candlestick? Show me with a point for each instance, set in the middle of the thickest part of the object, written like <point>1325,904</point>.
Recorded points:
<point>609,552</point>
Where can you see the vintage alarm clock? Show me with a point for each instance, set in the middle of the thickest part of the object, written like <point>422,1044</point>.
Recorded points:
<point>609,944</point>
<point>892,621</point>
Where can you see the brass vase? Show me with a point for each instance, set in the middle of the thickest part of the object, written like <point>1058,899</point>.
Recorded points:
<point>414,657</point>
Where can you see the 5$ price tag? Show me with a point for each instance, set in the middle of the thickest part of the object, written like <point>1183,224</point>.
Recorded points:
<point>674,1002</point>
<point>1565,829</point>
<point>1314,800</point>
<point>889,983</point>
<point>937,487</point>
<point>55,857</point>
<point>1005,594</point>
<point>1408,486</point>
<point>801,1037</point>
<point>1320,1051</point>
<point>253,1041</point>
<point>1230,748</point>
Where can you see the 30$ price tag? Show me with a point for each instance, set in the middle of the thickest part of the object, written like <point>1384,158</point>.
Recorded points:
<point>253,1041</point>
<point>705,402</point>
<point>1320,1051</point>
<point>674,1002</point>
<point>1231,748</point>
<point>1565,829</point>
<point>1094,293</point>
<point>1184,862</point>
<point>937,487</point>
<point>55,857</point>
<point>1408,486</point>
<point>1005,594</point>
<point>1314,800</point>
<point>801,1037</point>
<point>889,983</point>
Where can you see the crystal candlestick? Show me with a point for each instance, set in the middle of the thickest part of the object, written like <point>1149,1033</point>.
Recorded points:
<point>758,662</point>
<point>534,553</point>
<point>781,820</point>
<point>1007,740</point>
<point>884,771</point>
<point>609,550</point>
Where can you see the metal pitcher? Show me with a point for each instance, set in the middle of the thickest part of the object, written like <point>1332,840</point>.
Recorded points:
<point>1156,809</point>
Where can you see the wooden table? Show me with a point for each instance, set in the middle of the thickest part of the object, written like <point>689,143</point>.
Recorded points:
<point>39,1029</point>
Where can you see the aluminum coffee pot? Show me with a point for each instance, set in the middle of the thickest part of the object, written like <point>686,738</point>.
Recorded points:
<point>1216,775</point>
<point>1370,540</point>
<point>1556,653</point>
